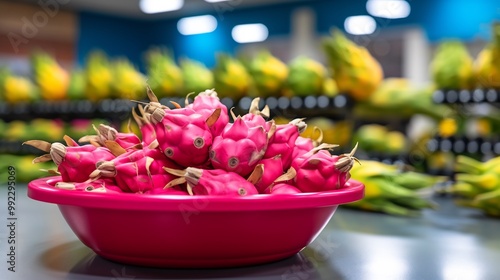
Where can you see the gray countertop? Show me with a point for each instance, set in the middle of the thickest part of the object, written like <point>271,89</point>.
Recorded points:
<point>450,243</point>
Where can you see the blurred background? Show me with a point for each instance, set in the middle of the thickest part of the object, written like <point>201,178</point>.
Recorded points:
<point>398,34</point>
<point>415,83</point>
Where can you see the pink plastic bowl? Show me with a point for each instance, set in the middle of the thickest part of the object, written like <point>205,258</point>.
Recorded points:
<point>194,231</point>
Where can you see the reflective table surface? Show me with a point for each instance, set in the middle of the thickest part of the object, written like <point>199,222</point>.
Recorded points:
<point>450,243</point>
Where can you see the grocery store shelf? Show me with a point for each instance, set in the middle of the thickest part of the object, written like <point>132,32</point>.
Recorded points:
<point>119,109</point>
<point>464,145</point>
<point>466,96</point>
<point>336,106</point>
<point>17,148</point>
<point>382,157</point>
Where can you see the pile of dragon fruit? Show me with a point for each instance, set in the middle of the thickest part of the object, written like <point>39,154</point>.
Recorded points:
<point>198,150</point>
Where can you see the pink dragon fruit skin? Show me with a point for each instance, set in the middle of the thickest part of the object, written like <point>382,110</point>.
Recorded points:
<point>183,135</point>
<point>186,140</point>
<point>107,133</point>
<point>204,104</point>
<point>77,166</point>
<point>302,146</point>
<point>257,117</point>
<point>74,163</point>
<point>106,185</point>
<point>136,177</point>
<point>175,190</point>
<point>282,188</point>
<point>148,132</point>
<point>239,148</point>
<point>283,141</point>
<point>269,173</point>
<point>305,144</point>
<point>318,170</point>
<point>214,182</point>
<point>272,169</point>
<point>137,171</point>
<point>254,120</point>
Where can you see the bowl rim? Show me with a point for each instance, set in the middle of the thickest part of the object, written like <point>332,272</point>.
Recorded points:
<point>43,189</point>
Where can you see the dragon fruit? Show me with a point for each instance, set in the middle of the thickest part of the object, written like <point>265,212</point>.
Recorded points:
<point>107,133</point>
<point>214,182</point>
<point>257,117</point>
<point>205,103</point>
<point>183,135</point>
<point>148,132</point>
<point>282,188</point>
<point>240,147</point>
<point>137,171</point>
<point>175,190</point>
<point>74,163</point>
<point>269,172</point>
<point>305,144</point>
<point>318,170</point>
<point>107,185</point>
<point>283,140</point>
<point>272,168</point>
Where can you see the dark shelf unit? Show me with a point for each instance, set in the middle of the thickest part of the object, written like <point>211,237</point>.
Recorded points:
<point>17,148</point>
<point>464,96</point>
<point>117,110</point>
<point>336,107</point>
<point>461,99</point>
<point>461,144</point>
<point>464,145</point>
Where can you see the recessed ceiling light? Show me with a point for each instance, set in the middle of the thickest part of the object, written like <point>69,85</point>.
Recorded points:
<point>215,1</point>
<point>197,25</point>
<point>388,8</point>
<point>360,25</point>
<point>160,6</point>
<point>250,33</point>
